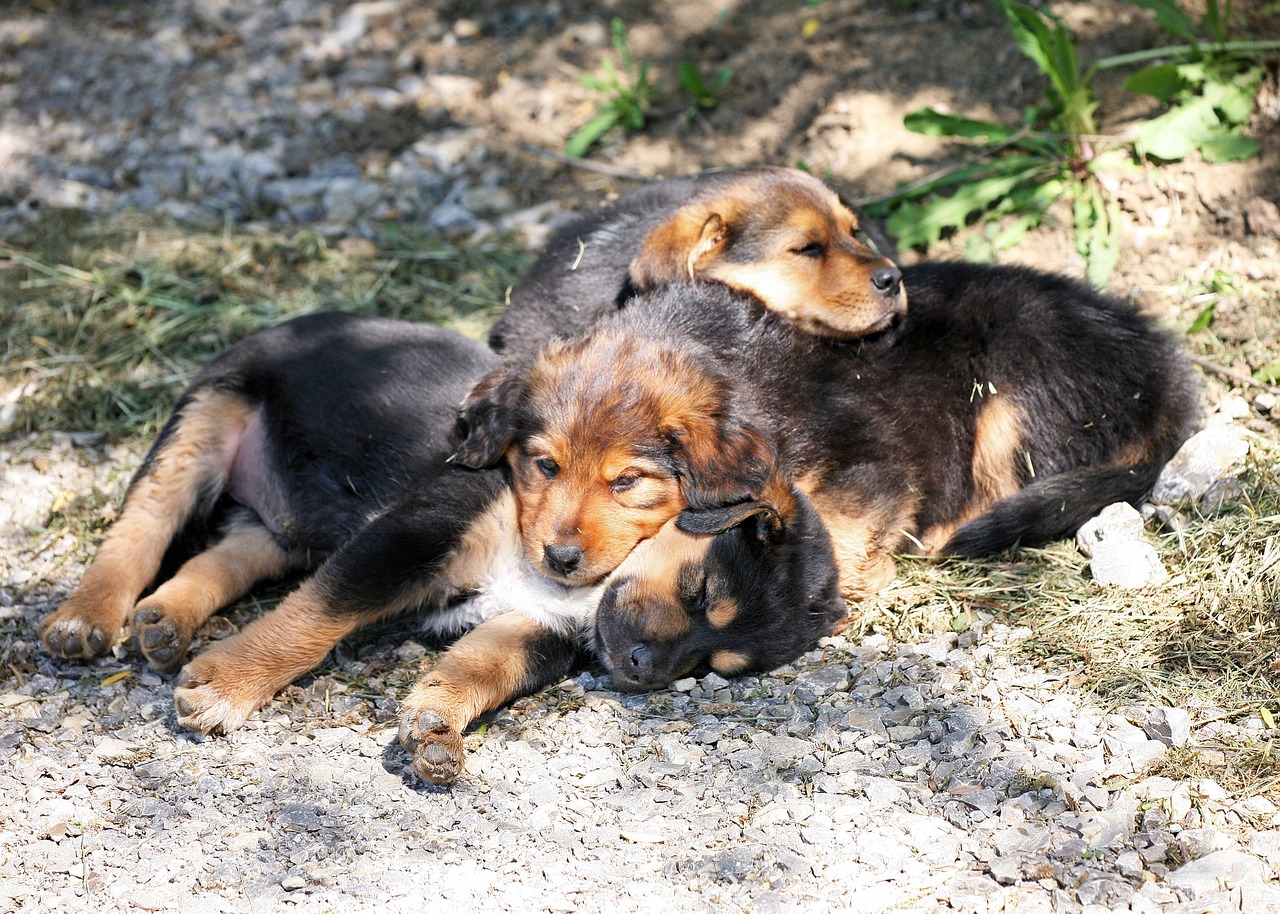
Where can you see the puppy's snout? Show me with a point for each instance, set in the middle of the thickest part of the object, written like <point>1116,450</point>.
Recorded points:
<point>887,280</point>
<point>563,558</point>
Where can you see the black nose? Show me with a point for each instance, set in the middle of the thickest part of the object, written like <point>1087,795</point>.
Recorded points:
<point>641,662</point>
<point>563,558</point>
<point>886,280</point>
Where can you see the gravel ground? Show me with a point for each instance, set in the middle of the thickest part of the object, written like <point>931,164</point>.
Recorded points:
<point>940,775</point>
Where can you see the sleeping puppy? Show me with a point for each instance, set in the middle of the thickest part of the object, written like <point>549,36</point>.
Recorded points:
<point>777,234</point>
<point>1013,405</point>
<point>329,445</point>
<point>739,589</point>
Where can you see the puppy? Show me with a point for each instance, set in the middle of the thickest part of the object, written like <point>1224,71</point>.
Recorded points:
<point>330,444</point>
<point>774,233</point>
<point>1013,405</point>
<point>607,439</point>
<point>743,588</point>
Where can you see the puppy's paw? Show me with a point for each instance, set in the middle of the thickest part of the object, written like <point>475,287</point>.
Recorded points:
<point>438,753</point>
<point>210,699</point>
<point>70,631</point>
<point>163,640</point>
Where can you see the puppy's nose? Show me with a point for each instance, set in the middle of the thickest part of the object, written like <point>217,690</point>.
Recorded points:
<point>886,280</point>
<point>563,558</point>
<point>641,662</point>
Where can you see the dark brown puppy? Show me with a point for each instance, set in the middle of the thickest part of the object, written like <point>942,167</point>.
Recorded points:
<point>326,445</point>
<point>1013,405</point>
<point>775,233</point>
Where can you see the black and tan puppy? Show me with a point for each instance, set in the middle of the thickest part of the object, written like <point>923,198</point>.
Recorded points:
<point>1013,406</point>
<point>778,234</point>
<point>328,444</point>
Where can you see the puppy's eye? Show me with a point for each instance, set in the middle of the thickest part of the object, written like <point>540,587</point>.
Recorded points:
<point>622,483</point>
<point>812,249</point>
<point>549,467</point>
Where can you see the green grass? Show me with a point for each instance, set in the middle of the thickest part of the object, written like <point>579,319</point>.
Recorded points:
<point>103,325</point>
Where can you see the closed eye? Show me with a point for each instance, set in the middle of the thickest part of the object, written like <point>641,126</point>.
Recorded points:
<point>812,249</point>
<point>622,483</point>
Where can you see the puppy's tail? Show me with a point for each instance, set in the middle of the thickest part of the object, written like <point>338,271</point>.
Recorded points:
<point>1054,508</point>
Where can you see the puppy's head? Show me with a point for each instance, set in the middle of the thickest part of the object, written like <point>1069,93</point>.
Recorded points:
<point>786,238</point>
<point>734,590</point>
<point>609,437</point>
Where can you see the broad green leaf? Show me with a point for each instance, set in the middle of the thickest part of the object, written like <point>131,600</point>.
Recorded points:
<point>929,122</point>
<point>923,224</point>
<point>1097,232</point>
<point>1227,146</point>
<point>1237,98</point>
<point>1174,134</point>
<point>1163,82</point>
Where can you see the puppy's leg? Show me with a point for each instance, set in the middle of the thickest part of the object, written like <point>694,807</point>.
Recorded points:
<point>164,622</point>
<point>500,660</point>
<point>218,690</point>
<point>187,466</point>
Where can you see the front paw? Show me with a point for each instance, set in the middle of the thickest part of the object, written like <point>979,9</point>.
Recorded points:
<point>438,753</point>
<point>161,638</point>
<point>68,632</point>
<point>209,699</point>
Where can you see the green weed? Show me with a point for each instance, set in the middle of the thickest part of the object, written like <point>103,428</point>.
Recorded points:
<point>1056,154</point>
<point>703,93</point>
<point>628,95</point>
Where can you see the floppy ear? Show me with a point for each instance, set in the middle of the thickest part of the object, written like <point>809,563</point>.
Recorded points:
<point>769,523</point>
<point>488,416</point>
<point>722,461</point>
<point>679,248</point>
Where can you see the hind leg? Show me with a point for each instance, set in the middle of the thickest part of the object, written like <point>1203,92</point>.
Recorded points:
<point>189,463</point>
<point>165,621</point>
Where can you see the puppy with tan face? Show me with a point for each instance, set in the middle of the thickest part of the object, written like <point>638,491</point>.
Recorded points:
<point>785,238</point>
<point>776,234</point>
<point>608,438</point>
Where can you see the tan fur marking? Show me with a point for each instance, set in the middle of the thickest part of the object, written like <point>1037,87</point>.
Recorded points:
<point>197,455</point>
<point>865,541</point>
<point>997,451</point>
<point>654,569</point>
<point>484,544</point>
<point>723,612</point>
<point>729,663</point>
<point>996,466</point>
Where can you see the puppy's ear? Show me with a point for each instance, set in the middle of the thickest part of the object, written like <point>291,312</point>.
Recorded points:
<point>770,524</point>
<point>723,460</point>
<point>488,416</point>
<point>680,248</point>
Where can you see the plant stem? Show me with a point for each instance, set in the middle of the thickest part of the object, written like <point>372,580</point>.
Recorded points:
<point>1226,47</point>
